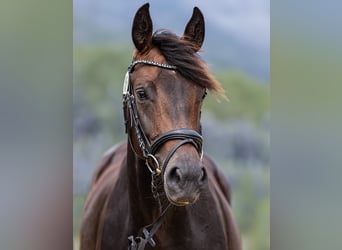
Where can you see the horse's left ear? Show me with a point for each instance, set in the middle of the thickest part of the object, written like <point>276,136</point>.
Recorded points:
<point>194,30</point>
<point>142,28</point>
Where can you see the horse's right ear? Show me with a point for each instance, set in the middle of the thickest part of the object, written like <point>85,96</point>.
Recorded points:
<point>195,30</point>
<point>142,28</point>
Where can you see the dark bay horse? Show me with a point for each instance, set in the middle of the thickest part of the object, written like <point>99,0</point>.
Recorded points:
<point>158,190</point>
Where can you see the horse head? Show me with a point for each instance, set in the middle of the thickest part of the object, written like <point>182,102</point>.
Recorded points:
<point>163,94</point>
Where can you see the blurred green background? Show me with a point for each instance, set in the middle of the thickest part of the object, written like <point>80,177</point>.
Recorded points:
<point>236,133</point>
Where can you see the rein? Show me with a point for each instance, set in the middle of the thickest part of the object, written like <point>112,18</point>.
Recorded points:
<point>148,149</point>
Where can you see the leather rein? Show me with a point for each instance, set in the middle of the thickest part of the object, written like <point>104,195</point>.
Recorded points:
<point>148,149</point>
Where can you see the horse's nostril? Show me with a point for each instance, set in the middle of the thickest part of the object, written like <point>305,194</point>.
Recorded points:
<point>175,175</point>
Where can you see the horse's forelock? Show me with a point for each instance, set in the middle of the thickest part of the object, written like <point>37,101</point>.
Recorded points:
<point>181,53</point>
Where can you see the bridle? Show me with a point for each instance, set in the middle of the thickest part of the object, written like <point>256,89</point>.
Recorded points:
<point>148,148</point>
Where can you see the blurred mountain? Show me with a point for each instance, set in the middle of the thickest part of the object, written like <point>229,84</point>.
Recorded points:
<point>237,32</point>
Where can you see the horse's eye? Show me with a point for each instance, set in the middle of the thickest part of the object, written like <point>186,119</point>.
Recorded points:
<point>141,94</point>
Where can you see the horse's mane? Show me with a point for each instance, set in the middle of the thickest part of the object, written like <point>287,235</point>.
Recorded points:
<point>180,53</point>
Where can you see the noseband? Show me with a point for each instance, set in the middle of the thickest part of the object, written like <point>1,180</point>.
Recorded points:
<point>148,149</point>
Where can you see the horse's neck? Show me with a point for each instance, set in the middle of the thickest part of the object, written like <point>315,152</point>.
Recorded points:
<point>141,201</point>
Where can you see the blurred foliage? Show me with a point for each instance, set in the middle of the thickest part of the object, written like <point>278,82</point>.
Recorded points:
<point>98,78</point>
<point>251,203</point>
<point>99,70</point>
<point>78,202</point>
<point>248,99</point>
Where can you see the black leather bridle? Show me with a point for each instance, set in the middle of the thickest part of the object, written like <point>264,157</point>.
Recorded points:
<point>148,148</point>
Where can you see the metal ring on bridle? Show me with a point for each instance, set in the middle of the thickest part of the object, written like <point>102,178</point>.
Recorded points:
<point>157,169</point>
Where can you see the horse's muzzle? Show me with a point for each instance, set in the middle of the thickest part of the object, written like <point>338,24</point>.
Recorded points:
<point>183,181</point>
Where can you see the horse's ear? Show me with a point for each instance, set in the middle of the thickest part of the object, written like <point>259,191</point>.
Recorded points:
<point>142,28</point>
<point>194,30</point>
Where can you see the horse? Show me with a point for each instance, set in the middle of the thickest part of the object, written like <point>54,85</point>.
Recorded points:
<point>159,190</point>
